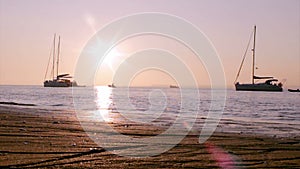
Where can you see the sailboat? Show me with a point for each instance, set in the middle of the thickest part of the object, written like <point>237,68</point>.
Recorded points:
<point>174,86</point>
<point>58,80</point>
<point>270,84</point>
<point>112,85</point>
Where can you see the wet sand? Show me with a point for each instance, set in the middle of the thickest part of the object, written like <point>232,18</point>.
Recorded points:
<point>37,138</point>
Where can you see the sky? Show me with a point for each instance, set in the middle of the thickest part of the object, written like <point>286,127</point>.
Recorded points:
<point>27,28</point>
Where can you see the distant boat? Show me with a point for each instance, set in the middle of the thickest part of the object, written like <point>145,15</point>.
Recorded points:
<point>112,85</point>
<point>173,86</point>
<point>58,80</point>
<point>294,90</point>
<point>270,84</point>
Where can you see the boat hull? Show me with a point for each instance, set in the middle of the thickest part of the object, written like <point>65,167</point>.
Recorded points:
<point>258,87</point>
<point>292,90</point>
<point>51,83</point>
<point>173,86</point>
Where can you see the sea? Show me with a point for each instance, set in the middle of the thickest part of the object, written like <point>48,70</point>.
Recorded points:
<point>274,114</point>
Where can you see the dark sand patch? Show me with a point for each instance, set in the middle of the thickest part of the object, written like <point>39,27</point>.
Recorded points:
<point>17,104</point>
<point>31,138</point>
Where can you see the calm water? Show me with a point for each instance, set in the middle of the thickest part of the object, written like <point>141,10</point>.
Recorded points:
<point>264,113</point>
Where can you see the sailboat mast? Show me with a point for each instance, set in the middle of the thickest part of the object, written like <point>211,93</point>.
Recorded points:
<point>58,52</point>
<point>53,57</point>
<point>253,55</point>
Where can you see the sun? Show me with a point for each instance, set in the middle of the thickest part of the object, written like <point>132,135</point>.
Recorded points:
<point>112,58</point>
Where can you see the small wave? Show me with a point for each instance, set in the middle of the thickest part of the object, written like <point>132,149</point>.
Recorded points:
<point>57,105</point>
<point>18,104</point>
<point>278,109</point>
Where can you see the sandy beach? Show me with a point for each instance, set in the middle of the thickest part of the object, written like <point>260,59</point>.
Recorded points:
<point>38,138</point>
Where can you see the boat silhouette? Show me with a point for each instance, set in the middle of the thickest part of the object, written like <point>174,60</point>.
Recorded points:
<point>270,84</point>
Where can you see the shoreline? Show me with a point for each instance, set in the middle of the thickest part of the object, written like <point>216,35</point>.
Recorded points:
<point>32,137</point>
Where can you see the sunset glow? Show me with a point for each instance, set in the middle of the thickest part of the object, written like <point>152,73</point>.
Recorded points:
<point>27,29</point>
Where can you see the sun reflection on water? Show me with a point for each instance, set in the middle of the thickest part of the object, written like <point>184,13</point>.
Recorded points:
<point>104,103</point>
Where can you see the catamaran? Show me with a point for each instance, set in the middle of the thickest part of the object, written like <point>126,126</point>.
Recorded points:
<point>58,80</point>
<point>270,84</point>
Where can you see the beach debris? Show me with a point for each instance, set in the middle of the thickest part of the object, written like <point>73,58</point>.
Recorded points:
<point>25,143</point>
<point>56,122</point>
<point>74,144</point>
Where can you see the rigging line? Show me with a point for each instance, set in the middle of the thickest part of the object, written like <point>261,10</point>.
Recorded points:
<point>240,68</point>
<point>58,53</point>
<point>53,61</point>
<point>48,63</point>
